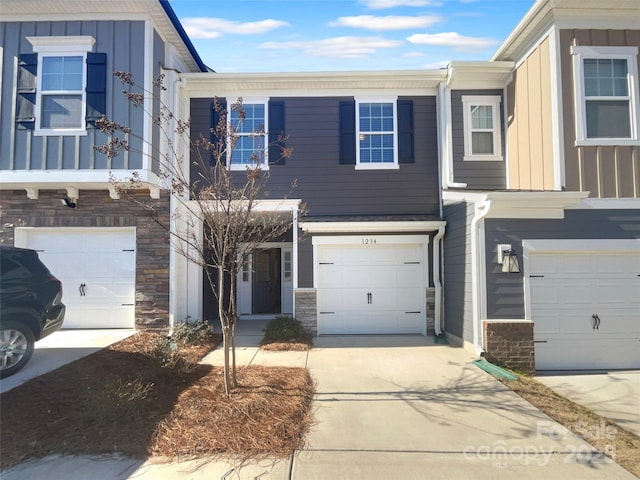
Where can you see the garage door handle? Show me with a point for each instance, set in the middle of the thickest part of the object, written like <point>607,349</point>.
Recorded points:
<point>82,289</point>
<point>596,321</point>
<point>369,298</point>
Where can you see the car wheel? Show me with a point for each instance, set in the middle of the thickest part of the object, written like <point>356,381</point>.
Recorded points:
<point>16,347</point>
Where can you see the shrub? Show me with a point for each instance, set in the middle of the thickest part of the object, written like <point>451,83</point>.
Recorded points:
<point>194,332</point>
<point>283,329</point>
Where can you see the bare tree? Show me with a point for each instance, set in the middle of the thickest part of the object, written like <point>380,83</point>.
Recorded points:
<point>206,192</point>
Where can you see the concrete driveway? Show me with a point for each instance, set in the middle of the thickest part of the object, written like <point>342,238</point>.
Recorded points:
<point>615,395</point>
<point>387,407</point>
<point>60,348</point>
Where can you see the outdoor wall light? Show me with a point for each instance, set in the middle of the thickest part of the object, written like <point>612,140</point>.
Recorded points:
<point>508,257</point>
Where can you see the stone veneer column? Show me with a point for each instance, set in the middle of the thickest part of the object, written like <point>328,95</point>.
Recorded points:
<point>510,344</point>
<point>306,309</point>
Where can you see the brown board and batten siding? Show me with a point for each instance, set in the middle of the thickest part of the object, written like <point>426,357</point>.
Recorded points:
<point>529,126</point>
<point>604,171</point>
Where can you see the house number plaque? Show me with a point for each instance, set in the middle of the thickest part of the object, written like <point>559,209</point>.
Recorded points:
<point>369,241</point>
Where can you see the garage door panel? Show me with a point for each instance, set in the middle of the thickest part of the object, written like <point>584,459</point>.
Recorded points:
<point>370,288</point>
<point>103,261</point>
<point>567,291</point>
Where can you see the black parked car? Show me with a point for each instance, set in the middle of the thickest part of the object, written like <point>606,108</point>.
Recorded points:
<point>30,306</point>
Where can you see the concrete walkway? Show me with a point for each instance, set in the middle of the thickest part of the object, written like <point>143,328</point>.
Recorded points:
<point>60,348</point>
<point>386,407</point>
<point>615,395</point>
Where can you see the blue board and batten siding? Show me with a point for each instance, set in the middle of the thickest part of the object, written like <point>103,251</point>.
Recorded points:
<point>478,175</point>
<point>123,43</point>
<point>458,306</point>
<point>505,292</point>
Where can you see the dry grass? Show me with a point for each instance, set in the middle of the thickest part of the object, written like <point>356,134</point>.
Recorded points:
<point>141,400</point>
<point>604,435</point>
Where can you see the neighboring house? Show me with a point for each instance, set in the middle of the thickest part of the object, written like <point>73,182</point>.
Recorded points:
<point>365,258</point>
<point>544,161</point>
<point>58,60</point>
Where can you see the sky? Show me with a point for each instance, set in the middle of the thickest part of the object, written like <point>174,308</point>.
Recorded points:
<point>345,35</point>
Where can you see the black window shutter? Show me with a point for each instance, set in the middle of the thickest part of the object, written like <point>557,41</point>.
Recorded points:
<point>405,131</point>
<point>276,129</point>
<point>26,91</point>
<point>96,87</point>
<point>213,137</point>
<point>348,132</point>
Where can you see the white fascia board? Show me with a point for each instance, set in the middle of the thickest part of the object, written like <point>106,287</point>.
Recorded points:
<point>479,75</point>
<point>84,179</point>
<point>285,205</point>
<point>384,240</point>
<point>578,245</point>
<point>302,84</point>
<point>540,205</point>
<point>607,204</point>
<point>371,227</point>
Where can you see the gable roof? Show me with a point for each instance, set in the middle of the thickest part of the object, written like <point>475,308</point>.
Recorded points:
<point>159,11</point>
<point>570,14</point>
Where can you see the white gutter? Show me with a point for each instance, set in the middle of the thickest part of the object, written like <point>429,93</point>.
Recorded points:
<point>436,280</point>
<point>481,212</point>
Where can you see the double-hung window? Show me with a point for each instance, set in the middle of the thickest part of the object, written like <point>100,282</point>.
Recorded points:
<point>248,134</point>
<point>376,127</point>
<point>606,95</point>
<point>482,134</point>
<point>61,89</point>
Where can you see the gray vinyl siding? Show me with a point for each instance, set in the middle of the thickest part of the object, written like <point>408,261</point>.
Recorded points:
<point>505,292</point>
<point>124,44</point>
<point>479,175</point>
<point>329,188</point>
<point>458,307</point>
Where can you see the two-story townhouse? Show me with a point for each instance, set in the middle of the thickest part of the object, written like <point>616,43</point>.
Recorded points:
<point>56,78</point>
<point>365,257</point>
<point>541,192</point>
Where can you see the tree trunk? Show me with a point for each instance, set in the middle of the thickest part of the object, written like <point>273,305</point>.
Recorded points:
<point>233,319</point>
<point>224,324</point>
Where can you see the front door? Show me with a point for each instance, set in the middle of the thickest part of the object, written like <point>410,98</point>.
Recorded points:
<point>265,284</point>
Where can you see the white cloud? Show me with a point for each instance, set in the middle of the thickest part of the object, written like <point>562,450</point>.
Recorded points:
<point>380,4</point>
<point>203,27</point>
<point>412,55</point>
<point>452,39</point>
<point>369,22</point>
<point>338,47</point>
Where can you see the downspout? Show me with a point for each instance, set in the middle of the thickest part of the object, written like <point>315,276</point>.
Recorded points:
<point>173,280</point>
<point>446,135</point>
<point>436,280</point>
<point>481,212</point>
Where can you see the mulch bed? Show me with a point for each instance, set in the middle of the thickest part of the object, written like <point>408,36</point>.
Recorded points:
<point>130,399</point>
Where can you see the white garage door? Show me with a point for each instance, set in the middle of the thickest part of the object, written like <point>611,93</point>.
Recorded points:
<point>97,268</point>
<point>371,289</point>
<point>586,310</point>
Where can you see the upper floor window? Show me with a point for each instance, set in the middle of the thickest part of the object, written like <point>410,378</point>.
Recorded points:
<point>481,118</point>
<point>248,124</point>
<point>376,132</point>
<point>606,95</point>
<point>60,103</point>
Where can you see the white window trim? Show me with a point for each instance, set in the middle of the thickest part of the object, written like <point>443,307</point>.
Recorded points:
<point>249,101</point>
<point>378,166</point>
<point>494,102</point>
<point>630,54</point>
<point>73,45</point>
